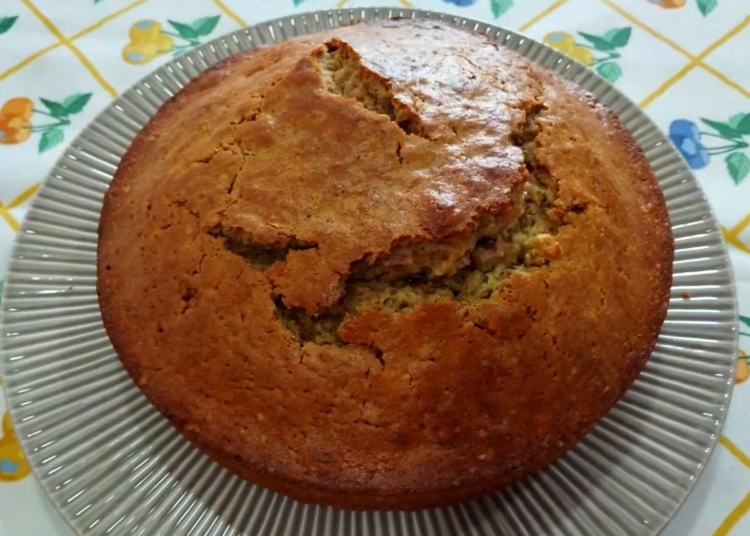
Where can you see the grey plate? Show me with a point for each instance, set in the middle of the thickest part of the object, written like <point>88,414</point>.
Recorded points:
<point>113,465</point>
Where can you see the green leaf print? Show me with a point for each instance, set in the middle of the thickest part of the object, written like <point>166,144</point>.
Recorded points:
<point>55,108</point>
<point>706,6</point>
<point>724,129</point>
<point>6,23</point>
<point>50,138</point>
<point>75,103</point>
<point>185,31</point>
<point>609,70</point>
<point>744,319</point>
<point>298,2</point>
<point>599,43</point>
<point>735,120</point>
<point>618,37</point>
<point>741,123</point>
<point>500,7</point>
<point>205,25</point>
<point>738,165</point>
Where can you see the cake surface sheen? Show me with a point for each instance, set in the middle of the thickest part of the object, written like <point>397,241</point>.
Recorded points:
<point>389,266</point>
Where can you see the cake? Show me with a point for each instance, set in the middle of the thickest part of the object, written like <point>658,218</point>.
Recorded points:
<point>389,266</point>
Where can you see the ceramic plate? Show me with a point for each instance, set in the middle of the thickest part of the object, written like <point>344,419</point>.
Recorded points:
<point>115,466</point>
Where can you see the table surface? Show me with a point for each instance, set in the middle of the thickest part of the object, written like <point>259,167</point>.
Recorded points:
<point>685,62</point>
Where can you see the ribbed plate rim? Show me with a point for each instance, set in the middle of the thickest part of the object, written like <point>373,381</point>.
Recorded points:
<point>338,16</point>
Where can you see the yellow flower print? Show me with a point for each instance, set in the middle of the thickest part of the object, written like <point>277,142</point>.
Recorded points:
<point>13,464</point>
<point>565,43</point>
<point>149,39</point>
<point>668,4</point>
<point>743,371</point>
<point>704,6</point>
<point>562,41</point>
<point>597,51</point>
<point>144,31</point>
<point>582,55</point>
<point>15,126</point>
<point>146,42</point>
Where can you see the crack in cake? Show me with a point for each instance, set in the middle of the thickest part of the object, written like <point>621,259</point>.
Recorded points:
<point>393,265</point>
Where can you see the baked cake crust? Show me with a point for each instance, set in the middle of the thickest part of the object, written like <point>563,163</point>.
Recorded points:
<point>390,266</point>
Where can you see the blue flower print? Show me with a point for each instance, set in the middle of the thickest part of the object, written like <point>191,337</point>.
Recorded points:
<point>7,466</point>
<point>687,138</point>
<point>721,138</point>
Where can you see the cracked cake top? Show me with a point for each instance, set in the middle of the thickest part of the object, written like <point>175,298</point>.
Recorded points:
<point>393,265</point>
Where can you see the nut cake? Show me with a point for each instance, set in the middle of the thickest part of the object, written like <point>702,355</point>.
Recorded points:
<point>390,266</point>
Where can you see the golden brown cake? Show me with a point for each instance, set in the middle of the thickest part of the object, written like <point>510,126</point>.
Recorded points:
<point>389,266</point>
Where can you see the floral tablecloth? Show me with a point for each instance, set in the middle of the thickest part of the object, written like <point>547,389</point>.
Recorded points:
<point>686,62</point>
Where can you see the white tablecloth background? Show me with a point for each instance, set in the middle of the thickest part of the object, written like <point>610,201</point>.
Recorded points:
<point>686,62</point>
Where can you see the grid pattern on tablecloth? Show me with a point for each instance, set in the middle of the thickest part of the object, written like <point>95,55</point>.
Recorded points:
<point>681,60</point>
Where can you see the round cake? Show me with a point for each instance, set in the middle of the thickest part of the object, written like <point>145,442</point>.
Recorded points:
<point>390,266</point>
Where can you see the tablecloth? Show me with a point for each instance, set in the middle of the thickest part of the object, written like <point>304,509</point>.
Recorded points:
<point>685,62</point>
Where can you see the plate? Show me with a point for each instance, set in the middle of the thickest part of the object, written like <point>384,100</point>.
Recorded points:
<point>115,466</point>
